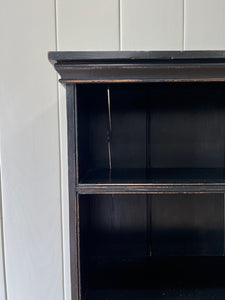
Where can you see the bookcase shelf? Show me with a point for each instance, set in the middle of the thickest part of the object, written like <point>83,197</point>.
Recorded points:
<point>146,170</point>
<point>155,180</point>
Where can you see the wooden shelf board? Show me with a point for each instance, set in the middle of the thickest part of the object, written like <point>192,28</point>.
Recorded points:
<point>186,180</point>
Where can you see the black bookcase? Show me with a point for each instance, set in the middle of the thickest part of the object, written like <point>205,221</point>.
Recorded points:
<point>146,158</point>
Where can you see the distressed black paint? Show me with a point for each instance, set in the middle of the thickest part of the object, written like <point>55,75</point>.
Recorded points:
<point>155,222</point>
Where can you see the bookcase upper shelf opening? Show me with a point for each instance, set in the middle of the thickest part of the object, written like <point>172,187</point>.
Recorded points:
<point>151,133</point>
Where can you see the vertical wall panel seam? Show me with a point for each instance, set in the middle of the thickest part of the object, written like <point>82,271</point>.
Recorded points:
<point>56,25</point>
<point>60,152</point>
<point>120,26</point>
<point>3,240</point>
<point>184,7</point>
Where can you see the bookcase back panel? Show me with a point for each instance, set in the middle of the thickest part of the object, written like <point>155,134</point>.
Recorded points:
<point>187,225</point>
<point>117,225</point>
<point>144,225</point>
<point>188,126</point>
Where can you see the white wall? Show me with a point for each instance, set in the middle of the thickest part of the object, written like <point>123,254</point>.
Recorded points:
<point>30,152</point>
<point>34,243</point>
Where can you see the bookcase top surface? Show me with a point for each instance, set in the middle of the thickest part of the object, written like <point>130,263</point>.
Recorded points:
<point>63,56</point>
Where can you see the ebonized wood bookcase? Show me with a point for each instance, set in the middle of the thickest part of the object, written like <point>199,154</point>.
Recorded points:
<point>146,158</point>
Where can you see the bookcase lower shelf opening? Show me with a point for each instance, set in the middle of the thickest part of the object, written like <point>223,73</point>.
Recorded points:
<point>152,246</point>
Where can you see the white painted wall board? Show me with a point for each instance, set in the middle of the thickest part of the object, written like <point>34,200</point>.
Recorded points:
<point>29,152</point>
<point>88,25</point>
<point>204,24</point>
<point>151,24</point>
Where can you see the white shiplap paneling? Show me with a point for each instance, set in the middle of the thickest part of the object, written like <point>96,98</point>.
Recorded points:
<point>29,152</point>
<point>204,24</point>
<point>152,24</point>
<point>88,25</point>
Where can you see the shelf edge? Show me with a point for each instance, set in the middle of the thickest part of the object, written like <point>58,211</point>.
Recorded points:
<point>198,188</point>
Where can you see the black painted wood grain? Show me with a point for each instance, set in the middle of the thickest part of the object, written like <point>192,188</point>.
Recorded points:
<point>133,56</point>
<point>188,225</point>
<point>139,66</point>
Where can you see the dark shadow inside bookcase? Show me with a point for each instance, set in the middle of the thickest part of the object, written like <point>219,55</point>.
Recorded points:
<point>152,246</point>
